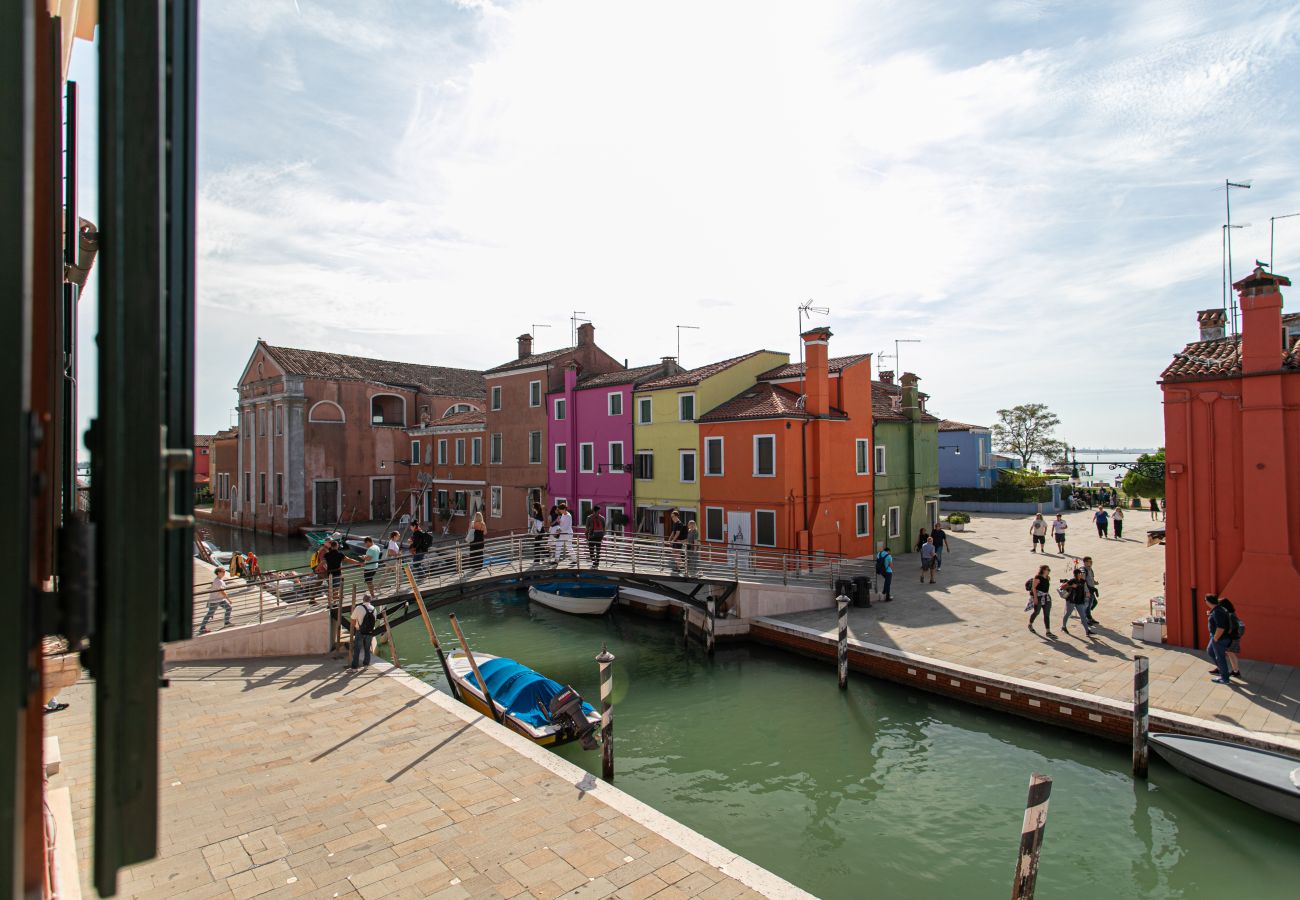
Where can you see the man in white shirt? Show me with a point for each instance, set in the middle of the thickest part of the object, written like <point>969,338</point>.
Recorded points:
<point>1038,531</point>
<point>217,597</point>
<point>563,532</point>
<point>1058,531</point>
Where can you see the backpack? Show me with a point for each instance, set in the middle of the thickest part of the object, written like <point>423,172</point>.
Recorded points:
<point>368,623</point>
<point>880,563</point>
<point>1029,584</point>
<point>1238,629</point>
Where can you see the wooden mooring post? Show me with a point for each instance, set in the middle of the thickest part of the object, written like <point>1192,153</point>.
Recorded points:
<point>388,633</point>
<point>1031,837</point>
<point>1141,714</point>
<point>606,659</point>
<point>711,613</point>
<point>482,683</point>
<point>433,635</point>
<point>842,649</point>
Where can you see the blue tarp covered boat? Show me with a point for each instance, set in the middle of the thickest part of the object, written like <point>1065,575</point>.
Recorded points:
<point>525,699</point>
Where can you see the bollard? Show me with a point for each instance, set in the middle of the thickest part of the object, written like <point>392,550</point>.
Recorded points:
<point>605,658</point>
<point>842,650</point>
<point>1141,714</point>
<point>710,608</point>
<point>1031,837</point>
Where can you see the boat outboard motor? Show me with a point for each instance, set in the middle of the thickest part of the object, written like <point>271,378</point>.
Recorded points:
<point>565,710</point>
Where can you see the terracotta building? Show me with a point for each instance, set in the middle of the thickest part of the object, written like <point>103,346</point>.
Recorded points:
<point>448,479</point>
<point>787,462</point>
<point>516,420</point>
<point>223,471</point>
<point>323,437</point>
<point>1232,457</point>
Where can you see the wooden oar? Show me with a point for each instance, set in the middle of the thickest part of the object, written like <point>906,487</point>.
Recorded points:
<point>433,635</point>
<point>482,683</point>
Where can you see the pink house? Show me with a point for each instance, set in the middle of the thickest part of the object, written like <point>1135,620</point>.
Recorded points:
<point>589,436</point>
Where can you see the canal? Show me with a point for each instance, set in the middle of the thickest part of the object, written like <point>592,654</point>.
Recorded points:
<point>875,791</point>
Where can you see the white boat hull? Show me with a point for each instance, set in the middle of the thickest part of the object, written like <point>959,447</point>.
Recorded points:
<point>1264,780</point>
<point>580,606</point>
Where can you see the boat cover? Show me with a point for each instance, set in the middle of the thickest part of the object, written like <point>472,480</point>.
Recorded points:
<point>519,689</point>
<point>576,589</point>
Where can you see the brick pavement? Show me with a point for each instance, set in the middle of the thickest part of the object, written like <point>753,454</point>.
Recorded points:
<point>974,617</point>
<point>283,778</point>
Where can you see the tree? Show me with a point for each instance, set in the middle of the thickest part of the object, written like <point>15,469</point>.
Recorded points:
<point>1026,431</point>
<point>1147,477</point>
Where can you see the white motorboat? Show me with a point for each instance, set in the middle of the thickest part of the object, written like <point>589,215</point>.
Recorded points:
<point>579,599</point>
<point>1267,780</point>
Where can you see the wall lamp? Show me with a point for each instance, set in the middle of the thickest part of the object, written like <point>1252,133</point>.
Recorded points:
<point>956,450</point>
<point>383,463</point>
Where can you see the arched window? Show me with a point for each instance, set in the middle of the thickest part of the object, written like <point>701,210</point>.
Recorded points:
<point>388,410</point>
<point>459,408</point>
<point>326,411</point>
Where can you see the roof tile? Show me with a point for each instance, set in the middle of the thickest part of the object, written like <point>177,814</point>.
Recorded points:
<point>835,365</point>
<point>695,376</point>
<point>762,401</point>
<point>440,380</point>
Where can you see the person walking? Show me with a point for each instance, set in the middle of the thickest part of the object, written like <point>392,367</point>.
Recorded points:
<point>1038,531</point>
<point>1059,527</point>
<point>692,548</point>
<point>420,542</point>
<point>1117,521</point>
<point>371,566</point>
<point>1090,579</point>
<point>1076,602</point>
<point>1040,587</point>
<point>1102,521</point>
<point>1162,508</point>
<point>921,539</point>
<point>676,539</point>
<point>940,539</point>
<point>927,559</point>
<point>537,528</point>
<point>885,569</point>
<point>1220,638</point>
<point>1155,509</point>
<point>363,632</point>
<point>563,531</point>
<point>1236,629</point>
<point>477,534</point>
<point>595,534</point>
<point>217,599</point>
<point>334,558</point>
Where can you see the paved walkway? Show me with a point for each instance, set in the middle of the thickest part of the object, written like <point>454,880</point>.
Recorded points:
<point>285,778</point>
<point>974,616</point>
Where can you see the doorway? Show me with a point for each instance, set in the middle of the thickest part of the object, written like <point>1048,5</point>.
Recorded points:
<point>325,510</point>
<point>381,499</point>
<point>932,512</point>
<point>738,538</point>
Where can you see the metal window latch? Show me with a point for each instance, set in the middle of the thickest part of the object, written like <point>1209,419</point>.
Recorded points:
<point>174,461</point>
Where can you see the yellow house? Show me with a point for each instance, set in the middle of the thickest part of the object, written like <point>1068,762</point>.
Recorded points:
<point>666,440</point>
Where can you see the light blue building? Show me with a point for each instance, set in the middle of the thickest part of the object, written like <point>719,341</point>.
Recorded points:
<point>965,455</point>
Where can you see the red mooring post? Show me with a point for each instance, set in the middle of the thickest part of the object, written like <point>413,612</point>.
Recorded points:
<point>1031,837</point>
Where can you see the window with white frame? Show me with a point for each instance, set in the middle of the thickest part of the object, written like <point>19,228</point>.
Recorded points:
<point>496,396</point>
<point>494,449</point>
<point>586,457</point>
<point>644,410</point>
<point>615,403</point>
<point>535,447</point>
<point>686,407</point>
<point>686,466</point>
<point>584,511</point>
<point>715,528</point>
<point>443,501</point>
<point>458,503</point>
<point>534,393</point>
<point>616,456</point>
<point>560,409</point>
<point>713,456</point>
<point>615,518</point>
<point>895,521</point>
<point>476,451</point>
<point>880,460</point>
<point>863,513</point>
<point>863,456</point>
<point>415,453</point>
<point>442,451</point>
<point>765,456</point>
<point>643,465</point>
<point>561,458</point>
<point>460,451</point>
<point>765,528</point>
<point>495,499</point>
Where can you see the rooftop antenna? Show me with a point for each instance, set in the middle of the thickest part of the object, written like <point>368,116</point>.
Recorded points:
<point>1224,243</point>
<point>573,323</point>
<point>806,311</point>
<point>537,326</point>
<point>1227,204</point>
<point>897,364</point>
<point>1271,220</point>
<point>679,339</point>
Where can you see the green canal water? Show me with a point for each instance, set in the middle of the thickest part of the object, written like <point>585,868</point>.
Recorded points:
<point>874,791</point>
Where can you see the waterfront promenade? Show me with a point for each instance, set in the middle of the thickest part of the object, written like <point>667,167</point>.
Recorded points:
<point>974,617</point>
<point>283,778</point>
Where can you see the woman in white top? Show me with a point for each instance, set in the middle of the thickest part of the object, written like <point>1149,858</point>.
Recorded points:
<point>1117,522</point>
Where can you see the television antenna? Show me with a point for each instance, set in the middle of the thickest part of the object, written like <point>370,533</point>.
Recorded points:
<point>536,326</point>
<point>806,311</point>
<point>576,320</point>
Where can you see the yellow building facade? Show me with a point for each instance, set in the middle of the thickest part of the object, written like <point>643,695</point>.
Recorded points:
<point>666,456</point>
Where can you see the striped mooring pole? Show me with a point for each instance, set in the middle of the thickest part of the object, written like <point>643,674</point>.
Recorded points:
<point>605,658</point>
<point>842,651</point>
<point>1141,714</point>
<point>711,608</point>
<point>1031,837</point>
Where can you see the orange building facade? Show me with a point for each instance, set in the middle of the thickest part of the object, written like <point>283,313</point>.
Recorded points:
<point>778,472</point>
<point>1232,456</point>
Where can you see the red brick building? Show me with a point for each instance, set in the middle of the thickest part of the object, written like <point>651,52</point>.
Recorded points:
<point>516,421</point>
<point>448,483</point>
<point>1232,475</point>
<point>323,436</point>
<point>223,466</point>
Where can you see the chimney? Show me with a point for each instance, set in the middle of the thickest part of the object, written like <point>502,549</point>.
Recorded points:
<point>525,346</point>
<point>911,398</point>
<point>1261,320</point>
<point>887,376</point>
<point>1212,322</point>
<point>816,371</point>
<point>586,334</point>
<point>571,372</point>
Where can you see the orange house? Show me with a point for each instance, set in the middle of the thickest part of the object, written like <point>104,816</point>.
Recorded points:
<point>1232,476</point>
<point>787,462</point>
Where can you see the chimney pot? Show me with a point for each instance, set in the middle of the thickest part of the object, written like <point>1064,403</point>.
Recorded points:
<point>525,346</point>
<point>816,371</point>
<point>1261,320</point>
<point>586,334</point>
<point>1212,323</point>
<point>886,376</point>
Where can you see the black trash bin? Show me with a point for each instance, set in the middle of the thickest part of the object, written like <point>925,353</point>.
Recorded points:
<point>844,587</point>
<point>862,585</point>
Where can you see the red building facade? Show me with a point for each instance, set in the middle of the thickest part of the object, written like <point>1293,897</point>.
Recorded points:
<point>1232,456</point>
<point>448,481</point>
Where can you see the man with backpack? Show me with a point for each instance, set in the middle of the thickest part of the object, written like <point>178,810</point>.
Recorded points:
<point>1220,625</point>
<point>363,631</point>
<point>885,569</point>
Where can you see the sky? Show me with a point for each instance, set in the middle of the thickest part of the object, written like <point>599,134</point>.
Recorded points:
<point>1032,189</point>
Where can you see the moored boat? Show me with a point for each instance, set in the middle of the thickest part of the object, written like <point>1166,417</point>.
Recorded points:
<point>544,711</point>
<point>1267,780</point>
<point>579,599</point>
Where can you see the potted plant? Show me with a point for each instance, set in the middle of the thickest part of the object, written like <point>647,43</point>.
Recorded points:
<point>958,521</point>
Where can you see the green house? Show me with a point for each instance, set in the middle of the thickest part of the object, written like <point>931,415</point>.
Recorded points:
<point>906,462</point>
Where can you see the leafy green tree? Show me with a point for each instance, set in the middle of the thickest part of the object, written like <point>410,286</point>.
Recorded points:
<point>1147,478</point>
<point>1026,431</point>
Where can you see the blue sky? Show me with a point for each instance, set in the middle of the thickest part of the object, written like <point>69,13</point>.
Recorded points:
<point>1033,189</point>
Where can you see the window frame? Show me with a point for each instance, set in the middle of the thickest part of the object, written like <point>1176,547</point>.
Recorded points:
<point>586,457</point>
<point>415,452</point>
<point>556,452</point>
<point>442,451</point>
<point>476,451</point>
<point>894,521</point>
<point>609,403</point>
<point>722,525</point>
<point>880,460</point>
<point>534,394</point>
<point>682,456</point>
<point>535,442</point>
<point>585,506</point>
<point>757,439</point>
<point>862,459</point>
<point>559,409</point>
<point>684,396</point>
<point>622,457</point>
<point>460,451</point>
<point>494,395</point>
<point>858,510</point>
<point>639,454</point>
<point>494,501</point>
<point>722,456</point>
<point>758,514</point>
<point>645,410</point>
<point>495,449</point>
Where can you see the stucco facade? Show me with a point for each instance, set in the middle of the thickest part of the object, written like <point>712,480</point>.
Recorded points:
<point>905,463</point>
<point>666,435</point>
<point>965,455</point>
<point>449,477</point>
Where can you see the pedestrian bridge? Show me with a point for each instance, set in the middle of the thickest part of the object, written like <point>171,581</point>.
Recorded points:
<point>451,573</point>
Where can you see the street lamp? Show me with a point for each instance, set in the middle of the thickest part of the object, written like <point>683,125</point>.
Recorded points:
<point>1074,467</point>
